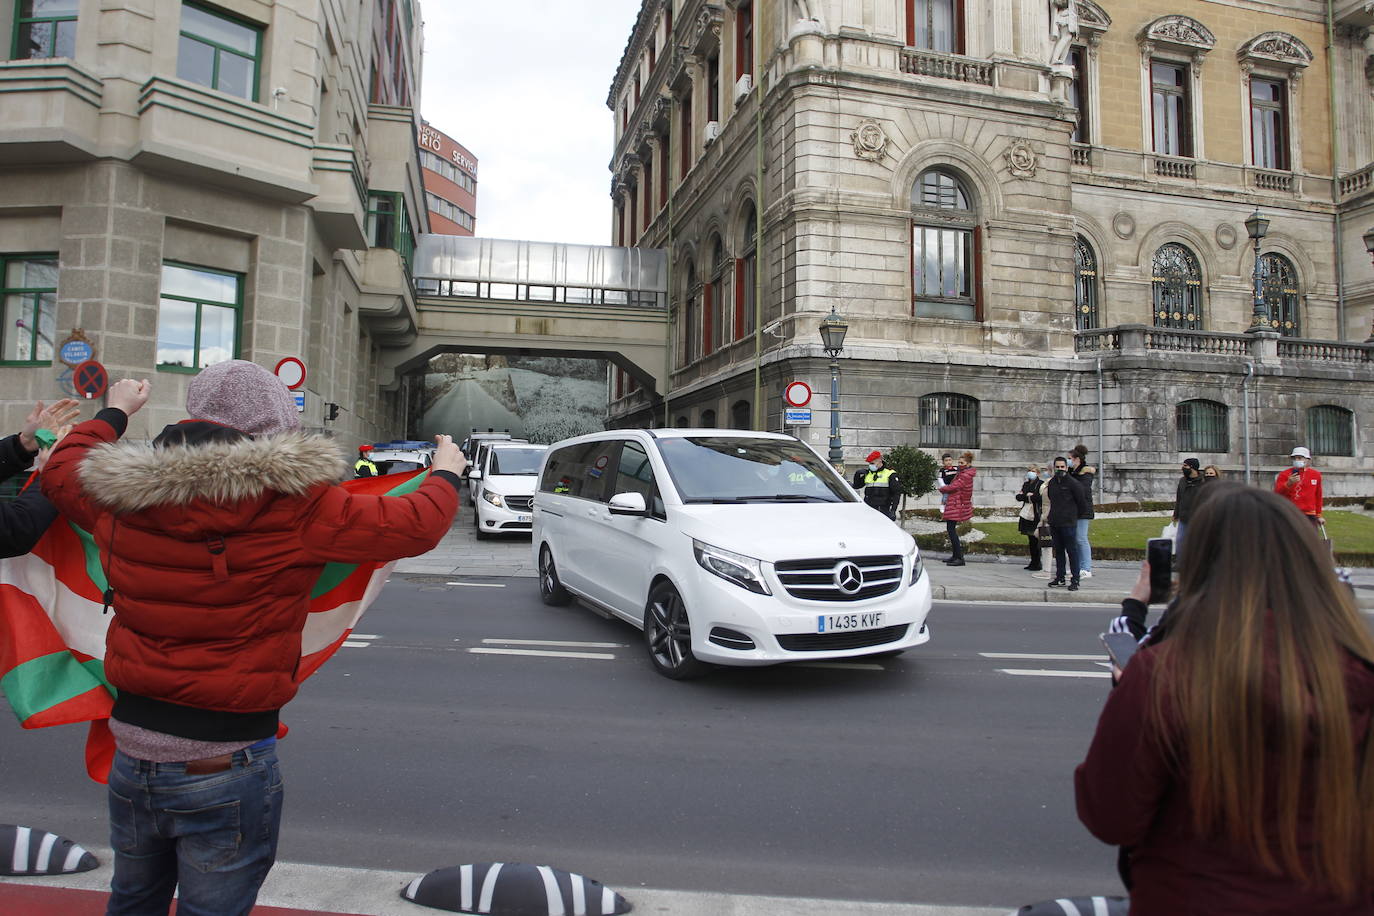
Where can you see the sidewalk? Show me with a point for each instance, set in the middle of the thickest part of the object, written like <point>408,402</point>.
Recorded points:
<point>986,577</point>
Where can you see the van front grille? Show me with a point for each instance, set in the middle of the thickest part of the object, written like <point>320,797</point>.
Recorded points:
<point>853,639</point>
<point>815,580</point>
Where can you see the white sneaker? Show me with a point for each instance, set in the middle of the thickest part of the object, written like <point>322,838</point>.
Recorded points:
<point>1041,575</point>
<point>1086,574</point>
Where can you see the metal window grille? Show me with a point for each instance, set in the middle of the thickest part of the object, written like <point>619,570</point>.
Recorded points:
<point>1085,289</point>
<point>1202,427</point>
<point>949,421</point>
<point>1330,430</point>
<point>1279,286</point>
<point>940,191</point>
<point>1177,288</point>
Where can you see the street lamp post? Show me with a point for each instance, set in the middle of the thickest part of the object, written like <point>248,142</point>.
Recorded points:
<point>1258,227</point>
<point>1369,247</point>
<point>833,329</point>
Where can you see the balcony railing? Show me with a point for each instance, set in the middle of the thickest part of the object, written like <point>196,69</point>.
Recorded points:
<point>1274,181</point>
<point>1175,168</point>
<point>1356,182</point>
<point>1139,338</point>
<point>1082,155</point>
<point>947,66</point>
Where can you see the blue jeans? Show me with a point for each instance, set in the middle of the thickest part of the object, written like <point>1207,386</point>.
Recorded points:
<point>213,836</point>
<point>1085,555</point>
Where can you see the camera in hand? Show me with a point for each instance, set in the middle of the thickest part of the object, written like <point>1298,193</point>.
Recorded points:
<point>1160,553</point>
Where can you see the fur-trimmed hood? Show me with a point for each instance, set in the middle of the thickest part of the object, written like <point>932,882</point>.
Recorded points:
<point>135,476</point>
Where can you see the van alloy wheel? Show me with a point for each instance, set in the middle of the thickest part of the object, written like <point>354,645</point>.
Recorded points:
<point>668,634</point>
<point>551,590</point>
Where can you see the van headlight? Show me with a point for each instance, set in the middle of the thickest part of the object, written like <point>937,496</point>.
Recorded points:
<point>493,498</point>
<point>918,566</point>
<point>746,572</point>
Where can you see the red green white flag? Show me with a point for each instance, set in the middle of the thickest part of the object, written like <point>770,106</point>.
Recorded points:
<point>52,625</point>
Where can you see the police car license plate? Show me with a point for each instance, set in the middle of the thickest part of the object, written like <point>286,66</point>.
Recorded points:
<point>835,623</point>
<point>522,518</point>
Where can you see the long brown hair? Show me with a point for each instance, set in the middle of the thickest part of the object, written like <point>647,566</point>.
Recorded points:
<point>1250,698</point>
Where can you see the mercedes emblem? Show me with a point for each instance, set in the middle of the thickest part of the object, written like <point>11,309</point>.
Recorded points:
<point>848,577</point>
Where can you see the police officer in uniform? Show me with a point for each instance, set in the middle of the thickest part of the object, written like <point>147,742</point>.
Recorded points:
<point>882,489</point>
<point>364,467</point>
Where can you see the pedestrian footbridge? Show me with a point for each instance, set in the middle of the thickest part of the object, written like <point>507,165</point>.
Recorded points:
<point>478,295</point>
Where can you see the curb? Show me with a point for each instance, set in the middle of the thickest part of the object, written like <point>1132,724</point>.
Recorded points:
<point>1057,596</point>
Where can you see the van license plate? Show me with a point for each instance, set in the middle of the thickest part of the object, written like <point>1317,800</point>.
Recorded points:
<point>523,518</point>
<point>835,623</point>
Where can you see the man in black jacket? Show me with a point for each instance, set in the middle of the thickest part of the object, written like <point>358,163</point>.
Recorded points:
<point>1185,498</point>
<point>1067,506</point>
<point>24,518</point>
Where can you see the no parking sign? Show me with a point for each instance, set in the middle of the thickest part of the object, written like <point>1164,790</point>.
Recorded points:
<point>90,379</point>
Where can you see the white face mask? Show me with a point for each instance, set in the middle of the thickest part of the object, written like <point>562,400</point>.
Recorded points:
<point>873,465</point>
<point>1030,475</point>
<point>1299,463</point>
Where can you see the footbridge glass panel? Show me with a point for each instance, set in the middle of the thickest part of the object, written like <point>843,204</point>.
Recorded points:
<point>505,270</point>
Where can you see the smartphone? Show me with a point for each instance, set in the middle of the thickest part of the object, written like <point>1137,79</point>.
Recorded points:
<point>1160,553</point>
<point>1120,648</point>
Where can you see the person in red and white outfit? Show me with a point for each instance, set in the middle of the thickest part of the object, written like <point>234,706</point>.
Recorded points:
<point>1303,485</point>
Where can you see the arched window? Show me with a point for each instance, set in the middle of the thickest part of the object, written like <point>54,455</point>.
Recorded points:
<point>713,307</point>
<point>1279,284</point>
<point>681,422</point>
<point>691,318</point>
<point>1085,289</point>
<point>944,248</point>
<point>708,419</point>
<point>949,421</point>
<point>746,268</point>
<point>1331,430</point>
<point>1202,427</point>
<point>740,416</point>
<point>1177,288</point>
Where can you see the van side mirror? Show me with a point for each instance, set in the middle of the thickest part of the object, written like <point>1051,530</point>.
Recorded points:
<point>628,504</point>
<point>475,474</point>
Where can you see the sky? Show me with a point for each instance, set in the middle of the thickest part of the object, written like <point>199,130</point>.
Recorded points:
<point>522,84</point>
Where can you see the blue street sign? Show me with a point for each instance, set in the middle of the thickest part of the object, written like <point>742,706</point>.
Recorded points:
<point>300,400</point>
<point>797,416</point>
<point>74,352</point>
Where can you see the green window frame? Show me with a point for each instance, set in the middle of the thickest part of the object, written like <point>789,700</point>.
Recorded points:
<point>44,29</point>
<point>1331,430</point>
<point>948,420</point>
<point>388,224</point>
<point>234,47</point>
<point>30,309</point>
<point>198,307</point>
<point>1203,426</point>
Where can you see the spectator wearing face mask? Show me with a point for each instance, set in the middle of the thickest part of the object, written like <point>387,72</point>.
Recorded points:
<point>1302,484</point>
<point>1185,497</point>
<point>881,486</point>
<point>1083,474</point>
<point>1030,514</point>
<point>958,506</point>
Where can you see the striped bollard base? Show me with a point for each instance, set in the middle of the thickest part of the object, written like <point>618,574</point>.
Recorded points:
<point>26,851</point>
<point>512,889</point>
<point>1078,906</point>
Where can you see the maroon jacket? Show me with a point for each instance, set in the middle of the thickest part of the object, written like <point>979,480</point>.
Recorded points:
<point>1130,795</point>
<point>212,542</point>
<point>959,504</point>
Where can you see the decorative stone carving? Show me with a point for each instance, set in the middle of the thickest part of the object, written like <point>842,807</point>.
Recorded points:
<point>1021,159</point>
<point>1091,17</point>
<point>1226,236</point>
<point>1063,29</point>
<point>706,30</point>
<point>870,140</point>
<point>1276,50</point>
<point>1179,32</point>
<point>1123,224</point>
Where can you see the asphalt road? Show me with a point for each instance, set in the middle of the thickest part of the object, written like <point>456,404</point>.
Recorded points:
<point>929,778</point>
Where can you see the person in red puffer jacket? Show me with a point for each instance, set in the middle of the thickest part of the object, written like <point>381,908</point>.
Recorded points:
<point>1234,761</point>
<point>212,538</point>
<point>958,506</point>
<point>1302,485</point>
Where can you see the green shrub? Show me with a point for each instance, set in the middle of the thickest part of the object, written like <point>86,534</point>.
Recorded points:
<point>914,468</point>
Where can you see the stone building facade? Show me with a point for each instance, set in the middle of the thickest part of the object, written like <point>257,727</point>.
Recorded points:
<point>187,182</point>
<point>1032,214</point>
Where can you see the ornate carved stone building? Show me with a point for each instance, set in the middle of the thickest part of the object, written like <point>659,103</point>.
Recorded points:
<point>187,182</point>
<point>1032,213</point>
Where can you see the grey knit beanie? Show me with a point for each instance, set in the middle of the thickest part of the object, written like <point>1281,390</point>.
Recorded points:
<point>243,395</point>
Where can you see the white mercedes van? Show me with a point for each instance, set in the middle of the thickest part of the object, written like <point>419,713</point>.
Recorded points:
<point>725,547</point>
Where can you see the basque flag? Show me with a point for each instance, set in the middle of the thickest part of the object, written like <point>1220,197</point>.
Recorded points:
<point>52,625</point>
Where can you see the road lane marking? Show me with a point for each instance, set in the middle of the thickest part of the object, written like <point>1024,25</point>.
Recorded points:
<point>353,644</point>
<point>544,653</point>
<point>1043,657</point>
<point>479,584</point>
<point>844,666</point>
<point>568,644</point>
<point>363,636</point>
<point>1041,672</point>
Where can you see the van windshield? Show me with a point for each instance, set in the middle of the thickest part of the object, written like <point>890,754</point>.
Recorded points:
<point>736,469</point>
<point>509,462</point>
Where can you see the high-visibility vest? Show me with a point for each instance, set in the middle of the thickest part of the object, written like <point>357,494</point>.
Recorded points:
<point>878,478</point>
<point>364,463</point>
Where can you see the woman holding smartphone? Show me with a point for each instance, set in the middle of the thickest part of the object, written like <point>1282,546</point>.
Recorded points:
<point>1233,761</point>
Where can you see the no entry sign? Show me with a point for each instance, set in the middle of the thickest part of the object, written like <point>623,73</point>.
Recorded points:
<point>89,379</point>
<point>797,394</point>
<point>291,371</point>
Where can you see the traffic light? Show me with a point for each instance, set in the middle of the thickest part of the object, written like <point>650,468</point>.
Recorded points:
<point>331,411</point>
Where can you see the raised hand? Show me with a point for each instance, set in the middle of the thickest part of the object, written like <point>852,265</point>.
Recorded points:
<point>448,457</point>
<point>60,413</point>
<point>129,395</point>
